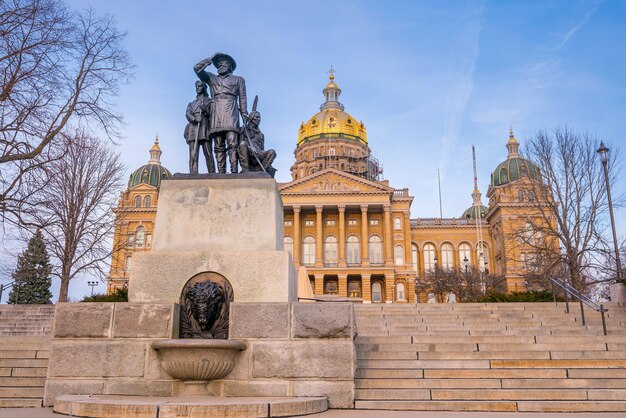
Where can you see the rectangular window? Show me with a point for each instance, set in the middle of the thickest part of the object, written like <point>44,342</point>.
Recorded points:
<point>309,222</point>
<point>374,222</point>
<point>149,241</point>
<point>288,223</point>
<point>352,222</point>
<point>330,222</point>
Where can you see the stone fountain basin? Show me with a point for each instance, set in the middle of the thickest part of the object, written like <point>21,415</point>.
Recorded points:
<point>201,359</point>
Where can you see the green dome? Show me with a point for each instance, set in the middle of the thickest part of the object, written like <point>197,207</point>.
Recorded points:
<point>512,169</point>
<point>151,174</point>
<point>470,213</point>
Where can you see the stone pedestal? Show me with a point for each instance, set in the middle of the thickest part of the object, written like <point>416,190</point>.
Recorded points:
<point>231,226</point>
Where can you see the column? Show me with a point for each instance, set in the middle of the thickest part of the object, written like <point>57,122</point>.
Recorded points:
<point>410,289</point>
<point>389,288</point>
<point>364,238</point>
<point>343,285</point>
<point>342,235</point>
<point>388,236</point>
<point>366,288</point>
<point>319,238</point>
<point>407,238</point>
<point>319,284</point>
<point>297,241</point>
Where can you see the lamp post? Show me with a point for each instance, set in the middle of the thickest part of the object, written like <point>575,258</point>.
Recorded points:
<point>92,284</point>
<point>603,152</point>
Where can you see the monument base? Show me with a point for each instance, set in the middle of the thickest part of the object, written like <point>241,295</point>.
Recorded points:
<point>256,276</point>
<point>230,225</point>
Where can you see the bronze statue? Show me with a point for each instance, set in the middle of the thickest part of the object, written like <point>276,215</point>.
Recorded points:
<point>228,93</point>
<point>252,145</point>
<point>197,130</point>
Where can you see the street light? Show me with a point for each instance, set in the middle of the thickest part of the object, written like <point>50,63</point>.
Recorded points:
<point>92,284</point>
<point>603,152</point>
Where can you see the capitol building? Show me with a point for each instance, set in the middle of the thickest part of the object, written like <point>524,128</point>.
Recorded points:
<point>352,231</point>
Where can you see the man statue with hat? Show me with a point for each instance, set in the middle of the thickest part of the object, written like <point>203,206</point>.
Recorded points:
<point>197,130</point>
<point>228,92</point>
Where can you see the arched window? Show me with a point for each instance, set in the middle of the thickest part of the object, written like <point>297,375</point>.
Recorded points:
<point>397,224</point>
<point>376,250</point>
<point>353,250</point>
<point>147,202</point>
<point>331,152</point>
<point>429,257</point>
<point>354,288</point>
<point>447,261</point>
<point>531,196</point>
<point>414,257</point>
<point>330,250</point>
<point>137,201</point>
<point>465,256</point>
<point>520,196</point>
<point>399,255</point>
<point>139,236</point>
<point>377,292</point>
<point>130,241</point>
<point>400,294</point>
<point>308,251</point>
<point>288,245</point>
<point>331,287</point>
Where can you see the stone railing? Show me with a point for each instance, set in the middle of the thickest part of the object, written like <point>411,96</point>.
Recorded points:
<point>443,221</point>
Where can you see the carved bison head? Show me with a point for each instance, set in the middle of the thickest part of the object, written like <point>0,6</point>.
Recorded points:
<point>206,299</point>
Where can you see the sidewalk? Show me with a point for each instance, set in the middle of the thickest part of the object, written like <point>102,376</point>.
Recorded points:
<point>342,413</point>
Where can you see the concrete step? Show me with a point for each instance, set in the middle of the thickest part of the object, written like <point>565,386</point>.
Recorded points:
<point>21,392</point>
<point>436,406</point>
<point>495,406</point>
<point>490,357</point>
<point>20,402</point>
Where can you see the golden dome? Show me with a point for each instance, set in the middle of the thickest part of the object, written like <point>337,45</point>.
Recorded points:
<point>332,121</point>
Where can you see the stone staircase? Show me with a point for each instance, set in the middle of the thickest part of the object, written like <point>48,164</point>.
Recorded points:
<point>25,344</point>
<point>489,357</point>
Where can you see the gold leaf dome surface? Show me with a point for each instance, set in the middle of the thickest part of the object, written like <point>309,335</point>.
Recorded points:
<point>332,121</point>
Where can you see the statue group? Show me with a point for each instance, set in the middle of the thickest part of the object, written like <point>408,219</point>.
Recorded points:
<point>214,122</point>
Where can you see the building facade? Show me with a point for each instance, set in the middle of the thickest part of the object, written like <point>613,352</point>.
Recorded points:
<point>353,232</point>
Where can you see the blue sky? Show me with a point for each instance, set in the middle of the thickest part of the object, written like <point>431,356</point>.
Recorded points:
<point>428,78</point>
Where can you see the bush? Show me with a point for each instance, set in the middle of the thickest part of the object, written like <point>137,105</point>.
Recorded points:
<point>528,296</point>
<point>119,295</point>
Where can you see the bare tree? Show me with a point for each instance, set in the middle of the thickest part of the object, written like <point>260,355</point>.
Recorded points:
<point>59,70</point>
<point>75,208</point>
<point>469,285</point>
<point>565,228</point>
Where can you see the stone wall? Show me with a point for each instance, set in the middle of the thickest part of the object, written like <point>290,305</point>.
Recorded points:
<point>294,349</point>
<point>104,348</point>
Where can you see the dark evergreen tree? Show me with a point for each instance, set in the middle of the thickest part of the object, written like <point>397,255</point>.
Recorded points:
<point>32,274</point>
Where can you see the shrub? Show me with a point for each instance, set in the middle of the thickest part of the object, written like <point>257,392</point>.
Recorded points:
<point>528,296</point>
<point>119,295</point>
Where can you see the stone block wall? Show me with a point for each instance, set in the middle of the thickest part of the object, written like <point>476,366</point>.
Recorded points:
<point>294,349</point>
<point>104,348</point>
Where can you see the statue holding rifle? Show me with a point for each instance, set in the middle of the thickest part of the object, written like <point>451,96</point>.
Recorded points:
<point>197,130</point>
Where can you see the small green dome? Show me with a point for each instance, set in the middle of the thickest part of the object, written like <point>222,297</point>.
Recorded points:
<point>512,169</point>
<point>151,174</point>
<point>470,213</point>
